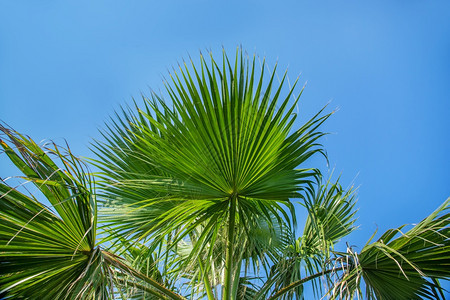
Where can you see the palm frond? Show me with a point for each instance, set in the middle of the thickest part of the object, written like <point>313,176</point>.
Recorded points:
<point>401,265</point>
<point>331,216</point>
<point>219,153</point>
<point>49,252</point>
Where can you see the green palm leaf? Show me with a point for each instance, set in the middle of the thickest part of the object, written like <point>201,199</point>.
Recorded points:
<point>219,153</point>
<point>402,265</point>
<point>49,254</point>
<point>331,216</point>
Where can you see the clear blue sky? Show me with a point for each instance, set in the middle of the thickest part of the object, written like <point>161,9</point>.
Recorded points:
<point>66,65</point>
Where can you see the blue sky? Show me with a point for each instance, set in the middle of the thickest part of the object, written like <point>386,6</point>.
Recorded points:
<point>65,66</point>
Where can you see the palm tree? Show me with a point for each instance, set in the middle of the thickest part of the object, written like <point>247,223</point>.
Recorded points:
<point>196,197</point>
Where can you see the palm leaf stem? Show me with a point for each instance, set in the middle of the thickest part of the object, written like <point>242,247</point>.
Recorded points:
<point>206,282</point>
<point>227,294</point>
<point>297,283</point>
<point>143,288</point>
<point>113,260</point>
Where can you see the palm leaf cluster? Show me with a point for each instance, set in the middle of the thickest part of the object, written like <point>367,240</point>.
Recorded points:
<point>51,251</point>
<point>47,253</point>
<point>223,157</point>
<point>330,218</point>
<point>196,197</point>
<point>402,265</point>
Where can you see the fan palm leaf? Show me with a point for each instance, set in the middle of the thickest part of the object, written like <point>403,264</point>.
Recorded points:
<point>219,153</point>
<point>52,252</point>
<point>401,265</point>
<point>331,216</point>
<point>49,252</point>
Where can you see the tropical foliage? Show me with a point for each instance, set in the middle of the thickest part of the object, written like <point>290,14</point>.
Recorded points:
<point>196,197</point>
